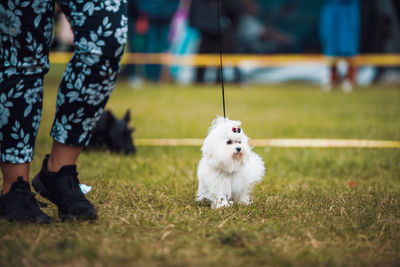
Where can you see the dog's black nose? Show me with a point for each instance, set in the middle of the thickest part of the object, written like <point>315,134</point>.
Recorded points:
<point>238,149</point>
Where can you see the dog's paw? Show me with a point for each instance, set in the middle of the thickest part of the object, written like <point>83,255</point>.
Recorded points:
<point>245,200</point>
<point>220,203</point>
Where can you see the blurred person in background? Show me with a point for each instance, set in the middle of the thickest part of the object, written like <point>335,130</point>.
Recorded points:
<point>203,15</point>
<point>159,14</point>
<point>340,38</point>
<point>253,36</point>
<point>184,40</point>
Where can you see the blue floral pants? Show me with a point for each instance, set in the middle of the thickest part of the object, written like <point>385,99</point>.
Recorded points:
<point>26,32</point>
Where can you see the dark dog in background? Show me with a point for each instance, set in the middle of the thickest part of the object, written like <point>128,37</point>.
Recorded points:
<point>113,134</point>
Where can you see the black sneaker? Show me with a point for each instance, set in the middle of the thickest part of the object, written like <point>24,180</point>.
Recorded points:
<point>19,204</point>
<point>62,188</point>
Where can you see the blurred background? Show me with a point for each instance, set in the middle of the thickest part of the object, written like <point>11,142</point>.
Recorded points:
<point>328,42</point>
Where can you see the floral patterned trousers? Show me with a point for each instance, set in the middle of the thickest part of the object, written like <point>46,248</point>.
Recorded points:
<point>26,32</point>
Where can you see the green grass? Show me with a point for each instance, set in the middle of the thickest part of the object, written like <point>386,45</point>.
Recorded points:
<point>327,207</point>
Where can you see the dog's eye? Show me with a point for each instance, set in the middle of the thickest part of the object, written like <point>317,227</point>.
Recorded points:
<point>239,142</point>
<point>229,142</point>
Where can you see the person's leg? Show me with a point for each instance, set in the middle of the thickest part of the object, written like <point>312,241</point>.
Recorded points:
<point>62,155</point>
<point>25,42</point>
<point>333,75</point>
<point>333,71</point>
<point>24,56</point>
<point>351,74</point>
<point>99,37</point>
<point>350,78</point>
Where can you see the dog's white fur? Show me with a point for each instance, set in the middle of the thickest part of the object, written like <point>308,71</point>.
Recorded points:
<point>227,175</point>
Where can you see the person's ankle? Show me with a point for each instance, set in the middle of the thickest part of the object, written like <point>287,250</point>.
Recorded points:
<point>11,172</point>
<point>53,166</point>
<point>6,188</point>
<point>62,155</point>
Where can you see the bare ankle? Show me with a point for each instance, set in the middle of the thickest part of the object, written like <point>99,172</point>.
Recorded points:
<point>11,172</point>
<point>62,155</point>
<point>53,165</point>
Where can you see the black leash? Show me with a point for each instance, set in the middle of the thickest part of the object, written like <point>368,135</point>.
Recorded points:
<point>220,56</point>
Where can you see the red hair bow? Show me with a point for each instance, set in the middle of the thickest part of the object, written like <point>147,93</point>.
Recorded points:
<point>236,130</point>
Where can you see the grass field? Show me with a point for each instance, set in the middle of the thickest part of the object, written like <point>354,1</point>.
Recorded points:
<point>326,207</point>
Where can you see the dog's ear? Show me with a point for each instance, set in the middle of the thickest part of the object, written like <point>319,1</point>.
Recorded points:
<point>127,116</point>
<point>108,117</point>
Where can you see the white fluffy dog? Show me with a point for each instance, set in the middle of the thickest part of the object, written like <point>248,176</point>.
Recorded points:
<point>228,168</point>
